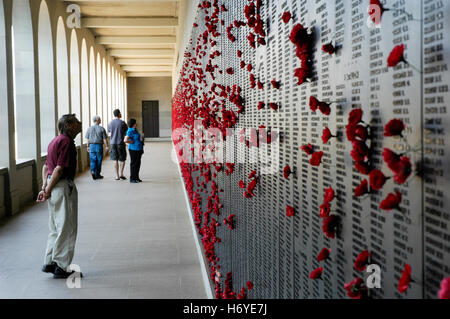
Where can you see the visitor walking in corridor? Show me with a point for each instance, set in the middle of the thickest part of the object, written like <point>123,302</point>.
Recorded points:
<point>95,138</point>
<point>118,129</point>
<point>58,174</point>
<point>136,148</point>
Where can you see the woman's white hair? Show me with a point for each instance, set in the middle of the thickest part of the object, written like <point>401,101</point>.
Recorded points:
<point>95,118</point>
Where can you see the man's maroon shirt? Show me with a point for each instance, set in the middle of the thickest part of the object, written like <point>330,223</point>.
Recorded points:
<point>62,152</point>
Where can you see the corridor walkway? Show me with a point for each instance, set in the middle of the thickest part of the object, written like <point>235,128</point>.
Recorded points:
<point>134,240</point>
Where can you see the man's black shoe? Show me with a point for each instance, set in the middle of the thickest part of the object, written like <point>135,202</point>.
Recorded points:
<point>94,177</point>
<point>139,180</point>
<point>132,181</point>
<point>123,178</point>
<point>49,268</point>
<point>99,177</point>
<point>62,274</point>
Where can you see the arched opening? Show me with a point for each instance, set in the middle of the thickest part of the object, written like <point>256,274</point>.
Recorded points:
<point>85,88</point>
<point>105,94</point>
<point>92,85</point>
<point>99,86</point>
<point>46,79</point>
<point>4,144</point>
<point>23,81</point>
<point>62,69</point>
<point>75,79</point>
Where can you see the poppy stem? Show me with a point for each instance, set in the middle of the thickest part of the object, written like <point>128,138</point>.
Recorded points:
<point>413,67</point>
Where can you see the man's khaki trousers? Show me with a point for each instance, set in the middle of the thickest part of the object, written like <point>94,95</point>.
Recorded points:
<point>63,223</point>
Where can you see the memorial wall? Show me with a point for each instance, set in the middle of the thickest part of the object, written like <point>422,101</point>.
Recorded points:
<point>312,139</point>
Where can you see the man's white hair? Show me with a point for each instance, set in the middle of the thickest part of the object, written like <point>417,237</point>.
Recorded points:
<point>95,118</point>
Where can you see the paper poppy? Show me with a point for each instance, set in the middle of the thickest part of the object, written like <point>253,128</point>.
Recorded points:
<point>324,254</point>
<point>362,189</point>
<point>260,85</point>
<point>287,171</point>
<point>316,274</point>
<point>377,179</point>
<point>363,167</point>
<point>286,17</point>
<point>239,53</point>
<point>290,211</point>
<point>361,132</point>
<point>329,195</point>
<point>373,11</point>
<point>316,159</point>
<point>392,201</point>
<point>444,291</point>
<point>242,184</point>
<point>325,108</point>
<point>396,56</point>
<point>394,127</point>
<point>242,65</point>
<point>405,279</point>
<point>261,105</point>
<point>249,285</point>
<point>356,289</point>
<point>355,117</point>
<point>301,74</point>
<point>252,174</point>
<point>391,159</point>
<point>404,170</point>
<point>230,71</point>
<point>313,103</point>
<point>325,210</point>
<point>308,149</point>
<point>330,225</point>
<point>275,84</point>
<point>362,261</point>
<point>329,48</point>
<point>298,35</point>
<point>249,67</point>
<point>273,106</point>
<point>326,135</point>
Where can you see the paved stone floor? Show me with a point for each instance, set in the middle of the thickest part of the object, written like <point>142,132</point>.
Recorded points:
<point>134,240</point>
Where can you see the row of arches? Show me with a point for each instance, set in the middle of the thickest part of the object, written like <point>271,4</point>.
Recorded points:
<point>70,77</point>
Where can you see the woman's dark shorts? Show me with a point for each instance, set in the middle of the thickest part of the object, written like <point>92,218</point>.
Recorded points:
<point>118,152</point>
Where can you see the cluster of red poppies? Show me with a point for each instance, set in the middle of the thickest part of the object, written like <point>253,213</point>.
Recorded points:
<point>229,221</point>
<point>249,192</point>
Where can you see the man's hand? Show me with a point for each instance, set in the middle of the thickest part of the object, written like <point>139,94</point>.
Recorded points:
<point>42,197</point>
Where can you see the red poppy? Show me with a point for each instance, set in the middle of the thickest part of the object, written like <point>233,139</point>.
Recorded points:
<point>361,132</point>
<point>444,292</point>
<point>273,106</point>
<point>239,53</point>
<point>391,159</point>
<point>260,85</point>
<point>392,201</point>
<point>286,17</point>
<point>313,103</point>
<point>325,108</point>
<point>262,41</point>
<point>249,285</point>
<point>358,156</point>
<point>261,105</point>
<point>242,184</point>
<point>252,174</point>
<point>301,74</point>
<point>396,56</point>
<point>356,289</point>
<point>275,84</point>
<point>329,48</point>
<point>372,11</point>
<point>377,179</point>
<point>330,225</point>
<point>395,127</point>
<point>355,116</point>
<point>325,210</point>
<point>329,195</point>
<point>317,273</point>
<point>316,159</point>
<point>361,148</point>
<point>308,149</point>
<point>363,167</point>
<point>404,170</point>
<point>362,189</point>
<point>405,279</point>
<point>324,254</point>
<point>326,135</point>
<point>247,194</point>
<point>287,172</point>
<point>242,64</point>
<point>299,35</point>
<point>290,211</point>
<point>249,67</point>
<point>362,261</point>
<point>230,71</point>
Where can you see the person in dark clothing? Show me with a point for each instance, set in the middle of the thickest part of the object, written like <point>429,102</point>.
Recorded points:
<point>136,148</point>
<point>118,129</point>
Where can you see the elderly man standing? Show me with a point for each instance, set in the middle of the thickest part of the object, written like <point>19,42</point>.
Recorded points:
<point>95,138</point>
<point>59,189</point>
